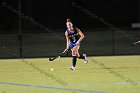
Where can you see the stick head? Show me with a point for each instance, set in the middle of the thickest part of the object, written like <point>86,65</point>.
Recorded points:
<point>51,59</point>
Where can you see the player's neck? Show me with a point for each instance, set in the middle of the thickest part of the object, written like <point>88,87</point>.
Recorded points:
<point>71,29</point>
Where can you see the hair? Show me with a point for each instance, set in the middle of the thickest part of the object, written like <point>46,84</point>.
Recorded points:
<point>68,20</point>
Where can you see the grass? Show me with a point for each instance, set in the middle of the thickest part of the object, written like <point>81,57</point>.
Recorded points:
<point>104,74</point>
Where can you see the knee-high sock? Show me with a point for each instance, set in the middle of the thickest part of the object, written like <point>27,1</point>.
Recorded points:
<point>74,59</point>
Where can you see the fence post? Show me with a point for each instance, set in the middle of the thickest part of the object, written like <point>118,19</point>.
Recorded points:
<point>20,30</point>
<point>113,46</point>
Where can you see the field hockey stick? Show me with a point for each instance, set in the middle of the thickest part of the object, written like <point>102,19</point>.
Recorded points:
<point>53,58</point>
<point>135,43</point>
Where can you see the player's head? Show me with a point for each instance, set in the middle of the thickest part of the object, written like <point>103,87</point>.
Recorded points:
<point>69,24</point>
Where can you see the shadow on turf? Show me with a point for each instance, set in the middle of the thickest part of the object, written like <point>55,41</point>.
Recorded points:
<point>122,77</point>
<point>44,72</point>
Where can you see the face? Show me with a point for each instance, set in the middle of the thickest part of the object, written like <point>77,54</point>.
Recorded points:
<point>69,25</point>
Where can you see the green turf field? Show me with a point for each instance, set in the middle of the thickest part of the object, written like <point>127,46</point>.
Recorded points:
<point>107,74</point>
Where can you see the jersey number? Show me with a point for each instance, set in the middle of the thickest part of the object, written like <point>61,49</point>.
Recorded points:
<point>74,39</point>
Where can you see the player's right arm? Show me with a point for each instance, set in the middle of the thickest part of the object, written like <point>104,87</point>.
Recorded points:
<point>67,40</point>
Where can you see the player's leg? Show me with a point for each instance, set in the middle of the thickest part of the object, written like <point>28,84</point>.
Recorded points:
<point>74,58</point>
<point>82,56</point>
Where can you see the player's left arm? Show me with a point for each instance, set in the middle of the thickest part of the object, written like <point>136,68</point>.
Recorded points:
<point>81,35</point>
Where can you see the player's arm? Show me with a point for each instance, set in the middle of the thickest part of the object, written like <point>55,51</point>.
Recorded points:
<point>67,40</point>
<point>81,35</point>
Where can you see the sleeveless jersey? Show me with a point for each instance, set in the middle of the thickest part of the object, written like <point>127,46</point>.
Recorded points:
<point>73,36</point>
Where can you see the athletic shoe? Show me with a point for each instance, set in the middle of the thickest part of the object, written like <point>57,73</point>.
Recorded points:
<point>85,59</point>
<point>72,68</point>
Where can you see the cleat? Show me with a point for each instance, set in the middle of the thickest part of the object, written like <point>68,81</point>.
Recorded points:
<point>72,68</point>
<point>85,59</point>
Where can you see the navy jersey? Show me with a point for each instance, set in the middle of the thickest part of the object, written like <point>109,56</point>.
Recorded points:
<point>73,36</point>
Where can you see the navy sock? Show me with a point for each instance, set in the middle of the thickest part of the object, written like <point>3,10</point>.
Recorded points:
<point>81,57</point>
<point>74,61</point>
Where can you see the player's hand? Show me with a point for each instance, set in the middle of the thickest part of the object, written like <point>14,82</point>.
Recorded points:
<point>77,43</point>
